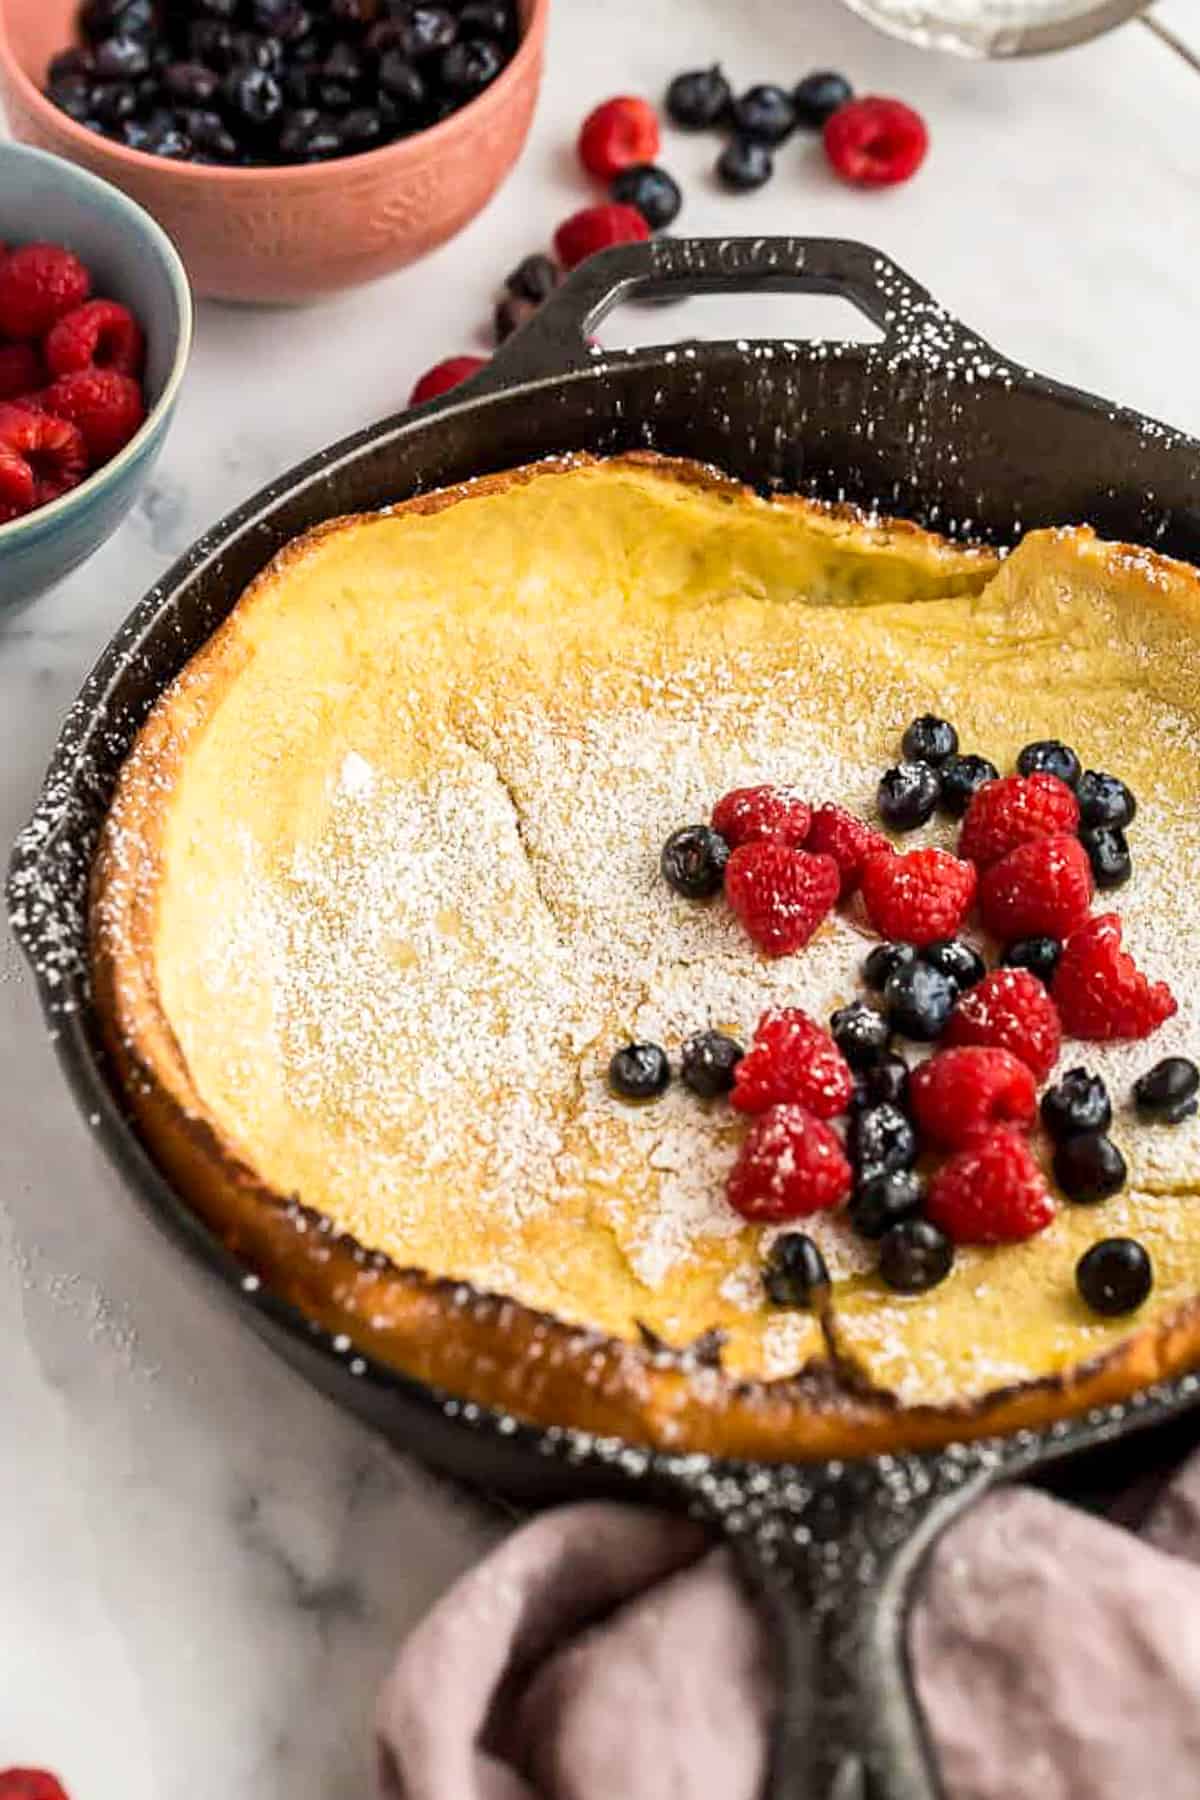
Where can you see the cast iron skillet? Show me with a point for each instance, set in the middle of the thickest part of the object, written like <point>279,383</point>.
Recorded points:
<point>931,424</point>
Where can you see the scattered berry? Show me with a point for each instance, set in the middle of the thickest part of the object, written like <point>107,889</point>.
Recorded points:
<point>883,1199</point>
<point>1103,800</point>
<point>961,779</point>
<point>108,409</point>
<point>38,284</point>
<point>699,98</point>
<point>880,1082</point>
<point>1009,1010</point>
<point>908,795</point>
<point>765,114</point>
<point>1077,1103</point>
<point>1037,954</point>
<point>1088,1167</point>
<point>959,1093</point>
<point>881,1138</point>
<point>837,833</point>
<point>100,335</point>
<point>1014,810</point>
<point>596,228</point>
<point>693,862</point>
<point>919,1001</point>
<point>639,1071</point>
<point>792,1060</point>
<point>915,1255</point>
<point>930,740</point>
<point>617,135</point>
<point>18,489</point>
<point>780,895</point>
<point>875,142</point>
<point>884,961</point>
<point>766,814</point>
<point>794,1270</point>
<point>52,449</point>
<point>1107,850</point>
<point>1099,990</point>
<point>21,371</point>
<point>745,164</point>
<point>709,1062</point>
<point>445,375</point>
<point>958,960</point>
<point>534,278</point>
<point>861,1033</point>
<point>790,1166</point>
<point>919,897</point>
<point>652,191</point>
<point>818,96</point>
<point>1050,757</point>
<point>991,1192</point>
<point>30,1784</point>
<point>1114,1276</point>
<point>1040,889</point>
<point>1166,1094</point>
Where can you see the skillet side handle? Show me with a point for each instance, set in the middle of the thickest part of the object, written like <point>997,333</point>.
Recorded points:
<point>555,339</point>
<point>829,1551</point>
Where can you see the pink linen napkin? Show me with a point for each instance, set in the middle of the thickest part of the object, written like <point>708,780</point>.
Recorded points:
<point>604,1651</point>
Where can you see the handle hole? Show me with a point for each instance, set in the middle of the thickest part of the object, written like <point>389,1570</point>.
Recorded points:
<point>633,323</point>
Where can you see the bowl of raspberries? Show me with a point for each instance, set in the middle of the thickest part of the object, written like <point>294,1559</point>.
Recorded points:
<point>95,330</point>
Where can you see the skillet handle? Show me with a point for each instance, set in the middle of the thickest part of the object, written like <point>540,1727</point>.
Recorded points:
<point>829,1551</point>
<point>555,339</point>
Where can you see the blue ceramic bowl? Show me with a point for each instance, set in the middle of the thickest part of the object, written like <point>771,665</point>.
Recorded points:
<point>132,260</point>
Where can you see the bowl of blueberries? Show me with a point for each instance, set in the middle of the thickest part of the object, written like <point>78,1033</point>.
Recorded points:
<point>291,148</point>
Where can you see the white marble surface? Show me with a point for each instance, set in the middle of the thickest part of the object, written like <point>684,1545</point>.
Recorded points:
<point>203,1567</point>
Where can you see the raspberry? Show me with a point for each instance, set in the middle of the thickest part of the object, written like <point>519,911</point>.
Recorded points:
<point>792,1058</point>
<point>771,815</point>
<point>38,284</point>
<point>1099,989</point>
<point>1014,810</point>
<point>837,833</point>
<point>993,1192</point>
<point>918,897</point>
<point>959,1093</point>
<point>1040,889</point>
<point>443,376</point>
<point>598,228</point>
<point>97,335</point>
<point>780,895</point>
<point>30,1784</point>
<point>52,450</point>
<point>17,486</point>
<point>1009,1010</point>
<point>789,1166</point>
<point>108,409</point>
<point>618,135</point>
<point>875,142</point>
<point>20,370</point>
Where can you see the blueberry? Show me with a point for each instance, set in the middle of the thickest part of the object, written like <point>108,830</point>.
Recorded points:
<point>959,961</point>
<point>794,1270</point>
<point>861,1033</point>
<point>209,136</point>
<point>885,1080</point>
<point>907,795</point>
<point>963,776</point>
<point>1040,955</point>
<point>1103,800</point>
<point>919,1000</point>
<point>883,1199</point>
<point>929,739</point>
<point>74,95</point>
<point>709,1061</point>
<point>400,81</point>
<point>693,862</point>
<point>1077,1103</point>
<point>1114,1276</point>
<point>121,58</point>
<point>69,65</point>
<point>168,141</point>
<point>534,278</point>
<point>470,65</point>
<point>1089,1167</point>
<point>884,961</point>
<point>487,18</point>
<point>192,83</point>
<point>115,103</point>
<point>639,1071</point>
<point>698,98</point>
<point>362,128</point>
<point>818,97</point>
<point>745,164</point>
<point>429,29</point>
<point>1108,852</point>
<point>1166,1094</point>
<point>253,96</point>
<point>764,113</point>
<point>1048,756</point>
<point>914,1255</point>
<point>653,192</point>
<point>880,1139</point>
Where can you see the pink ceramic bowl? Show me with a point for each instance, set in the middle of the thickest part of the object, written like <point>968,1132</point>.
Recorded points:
<point>292,233</point>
